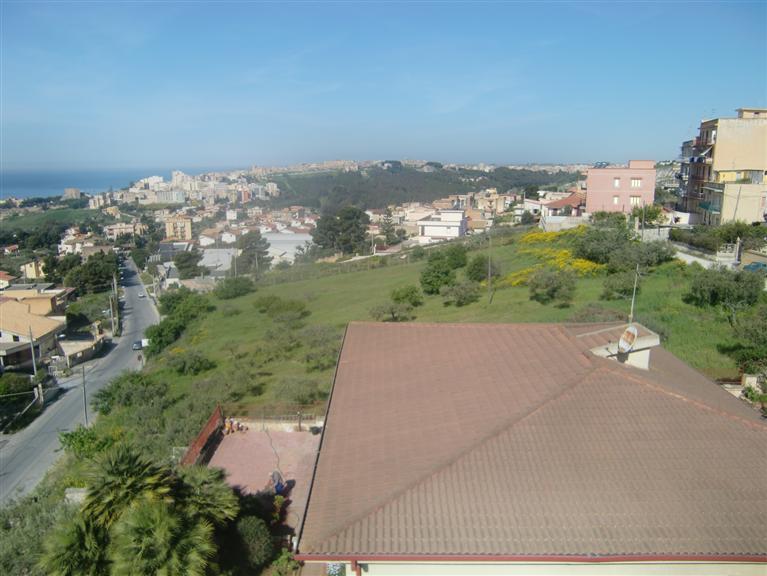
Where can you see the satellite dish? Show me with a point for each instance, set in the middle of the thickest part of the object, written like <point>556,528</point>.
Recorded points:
<point>628,338</point>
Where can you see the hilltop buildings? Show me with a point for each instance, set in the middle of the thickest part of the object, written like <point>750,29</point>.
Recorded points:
<point>724,169</point>
<point>178,228</point>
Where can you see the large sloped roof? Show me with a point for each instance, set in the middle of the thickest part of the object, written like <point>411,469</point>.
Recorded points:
<point>514,440</point>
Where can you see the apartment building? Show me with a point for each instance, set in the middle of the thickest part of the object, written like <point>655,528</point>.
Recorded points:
<point>727,171</point>
<point>620,188</point>
<point>178,228</point>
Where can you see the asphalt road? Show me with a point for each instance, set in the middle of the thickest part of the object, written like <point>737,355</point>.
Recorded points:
<point>27,455</point>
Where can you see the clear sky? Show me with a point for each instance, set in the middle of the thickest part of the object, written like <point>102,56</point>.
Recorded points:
<point>107,85</point>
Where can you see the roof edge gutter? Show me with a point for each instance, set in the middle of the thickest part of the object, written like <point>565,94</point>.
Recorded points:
<point>354,559</point>
<point>322,438</point>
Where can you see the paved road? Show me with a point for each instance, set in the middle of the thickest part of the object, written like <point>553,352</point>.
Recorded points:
<point>28,454</point>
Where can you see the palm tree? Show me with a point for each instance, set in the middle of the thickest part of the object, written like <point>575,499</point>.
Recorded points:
<point>119,479</point>
<point>76,548</point>
<point>154,538</point>
<point>204,494</point>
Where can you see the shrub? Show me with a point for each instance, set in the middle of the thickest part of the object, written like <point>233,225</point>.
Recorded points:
<point>234,287</point>
<point>598,244</point>
<point>131,389</point>
<point>594,312</point>
<point>549,285</point>
<point>644,254</point>
<point>527,218</point>
<point>437,274</point>
<point>477,269</point>
<point>608,219</point>
<point>300,390</point>
<point>257,540</point>
<point>392,312</point>
<point>264,303</point>
<point>322,344</point>
<point>719,286</point>
<point>619,286</point>
<point>418,253</point>
<point>460,294</point>
<point>285,564</point>
<point>409,294</point>
<point>85,442</point>
<point>191,362</point>
<point>455,254</point>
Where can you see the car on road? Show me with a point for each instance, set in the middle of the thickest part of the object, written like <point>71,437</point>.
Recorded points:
<point>756,267</point>
<point>137,345</point>
<point>141,295</point>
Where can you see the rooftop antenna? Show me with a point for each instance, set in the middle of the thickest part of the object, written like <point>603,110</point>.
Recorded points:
<point>634,295</point>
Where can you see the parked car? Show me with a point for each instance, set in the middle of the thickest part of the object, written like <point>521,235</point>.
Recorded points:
<point>141,295</point>
<point>756,267</point>
<point>137,345</point>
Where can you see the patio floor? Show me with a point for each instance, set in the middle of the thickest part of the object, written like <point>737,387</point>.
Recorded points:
<point>250,457</point>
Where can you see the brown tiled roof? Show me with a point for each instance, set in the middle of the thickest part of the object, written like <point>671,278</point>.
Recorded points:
<point>575,199</point>
<point>514,440</point>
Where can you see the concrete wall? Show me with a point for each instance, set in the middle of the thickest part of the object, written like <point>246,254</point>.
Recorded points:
<point>741,144</point>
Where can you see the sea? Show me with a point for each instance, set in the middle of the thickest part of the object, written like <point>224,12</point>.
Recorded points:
<point>40,183</point>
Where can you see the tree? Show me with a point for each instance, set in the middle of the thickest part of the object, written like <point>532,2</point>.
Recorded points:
<point>388,230</point>
<point>732,290</point>
<point>460,294</point>
<point>618,286</point>
<point>254,258</point>
<point>187,264</point>
<point>456,256</point>
<point>477,269</point>
<point>234,287</point>
<point>155,537</point>
<point>205,494</point>
<point>77,547</point>
<point>526,218</point>
<point>345,231</point>
<point>550,285</point>
<point>437,273</point>
<point>95,275</point>
<point>392,312</point>
<point>256,542</point>
<point>649,215</point>
<point>408,294</point>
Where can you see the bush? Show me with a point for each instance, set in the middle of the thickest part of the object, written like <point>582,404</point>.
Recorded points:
<point>719,286</point>
<point>131,389</point>
<point>644,254</point>
<point>392,312</point>
<point>594,312</point>
<point>257,540</point>
<point>191,362</point>
<point>290,313</point>
<point>477,268</point>
<point>300,390</point>
<point>409,294</point>
<point>322,343</point>
<point>234,287</point>
<point>437,274</point>
<point>85,442</point>
<point>455,254</point>
<point>527,218</point>
<point>460,294</point>
<point>608,219</point>
<point>418,253</point>
<point>619,286</point>
<point>549,285</point>
<point>598,245</point>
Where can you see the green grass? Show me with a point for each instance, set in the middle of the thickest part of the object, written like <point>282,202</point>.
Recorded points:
<point>67,216</point>
<point>236,328</point>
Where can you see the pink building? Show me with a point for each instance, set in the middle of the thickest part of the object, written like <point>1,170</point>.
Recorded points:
<point>619,189</point>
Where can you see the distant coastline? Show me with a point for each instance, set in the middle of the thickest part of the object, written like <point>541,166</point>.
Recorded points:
<point>42,183</point>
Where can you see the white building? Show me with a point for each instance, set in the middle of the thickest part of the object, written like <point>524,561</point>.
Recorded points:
<point>444,225</point>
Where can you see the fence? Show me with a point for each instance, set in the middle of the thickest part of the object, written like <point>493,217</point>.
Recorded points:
<point>309,414</point>
<point>206,439</point>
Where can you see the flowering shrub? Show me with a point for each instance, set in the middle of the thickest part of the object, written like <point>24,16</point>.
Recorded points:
<point>563,259</point>
<point>518,278</point>
<point>538,236</point>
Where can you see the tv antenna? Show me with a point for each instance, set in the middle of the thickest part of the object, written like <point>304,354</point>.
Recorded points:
<point>634,294</point>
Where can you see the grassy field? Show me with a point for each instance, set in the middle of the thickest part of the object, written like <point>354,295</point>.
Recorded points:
<point>237,330</point>
<point>68,216</point>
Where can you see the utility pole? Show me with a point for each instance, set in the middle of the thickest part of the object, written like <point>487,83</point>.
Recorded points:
<point>489,266</point>
<point>85,400</point>
<point>113,313</point>
<point>32,348</point>
<point>634,295</point>
<point>117,302</point>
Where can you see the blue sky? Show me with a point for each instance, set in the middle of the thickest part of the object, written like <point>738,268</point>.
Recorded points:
<point>122,85</point>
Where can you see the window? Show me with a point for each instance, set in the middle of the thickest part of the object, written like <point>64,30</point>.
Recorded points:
<point>616,182</point>
<point>16,338</point>
<point>636,182</point>
<point>636,200</point>
<point>615,200</point>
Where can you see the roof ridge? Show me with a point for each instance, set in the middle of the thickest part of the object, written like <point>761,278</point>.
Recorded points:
<point>578,379</point>
<point>658,388</point>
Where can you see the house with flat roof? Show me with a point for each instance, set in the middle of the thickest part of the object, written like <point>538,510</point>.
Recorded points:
<point>620,188</point>
<point>523,449</point>
<point>444,225</point>
<point>20,329</point>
